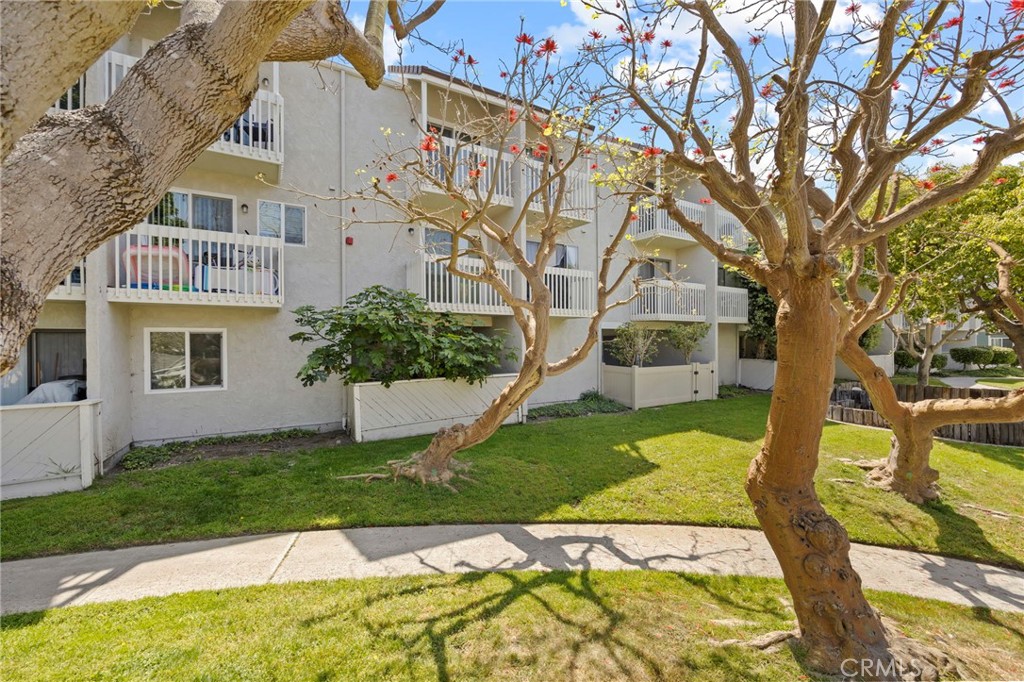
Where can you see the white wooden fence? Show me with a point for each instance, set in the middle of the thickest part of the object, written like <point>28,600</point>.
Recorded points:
<point>639,387</point>
<point>756,374</point>
<point>49,448</point>
<point>420,406</point>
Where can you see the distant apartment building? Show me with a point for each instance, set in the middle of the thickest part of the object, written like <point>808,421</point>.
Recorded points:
<point>180,326</point>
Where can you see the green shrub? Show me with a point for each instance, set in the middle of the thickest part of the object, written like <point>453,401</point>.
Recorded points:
<point>939,361</point>
<point>870,339</point>
<point>387,336</point>
<point>972,355</point>
<point>634,345</point>
<point>686,338</point>
<point>903,360</point>
<point>590,402</point>
<point>1003,356</point>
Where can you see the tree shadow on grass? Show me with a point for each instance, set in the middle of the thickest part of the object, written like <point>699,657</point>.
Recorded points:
<point>960,535</point>
<point>439,632</point>
<point>986,615</point>
<point>1009,456</point>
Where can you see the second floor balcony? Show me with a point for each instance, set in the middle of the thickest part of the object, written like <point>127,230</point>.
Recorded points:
<point>732,305</point>
<point>656,229</point>
<point>164,264</point>
<point>573,292</point>
<point>664,300</point>
<point>257,136</point>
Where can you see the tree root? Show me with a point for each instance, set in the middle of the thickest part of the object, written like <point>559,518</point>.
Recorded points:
<point>415,469</point>
<point>882,477</point>
<point>769,642</point>
<point>903,659</point>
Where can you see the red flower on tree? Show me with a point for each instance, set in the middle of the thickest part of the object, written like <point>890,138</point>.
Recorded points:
<point>647,37</point>
<point>541,150</point>
<point>955,21</point>
<point>465,215</point>
<point>515,149</point>
<point>706,201</point>
<point>853,8</point>
<point>1008,83</point>
<point>666,44</point>
<point>596,35</point>
<point>999,181</point>
<point>1017,8</point>
<point>391,177</point>
<point>756,40</point>
<point>428,144</point>
<point>980,139</point>
<point>935,169</point>
<point>650,152</point>
<point>524,39</point>
<point>547,48</point>
<point>767,89</point>
<point>474,173</point>
<point>513,115</point>
<point>926,185</point>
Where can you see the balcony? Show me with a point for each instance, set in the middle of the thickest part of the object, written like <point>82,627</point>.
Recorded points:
<point>428,276</point>
<point>72,287</point>
<point>578,202</point>
<point>732,305</point>
<point>662,300</point>
<point>461,158</point>
<point>656,229</point>
<point>573,292</point>
<point>256,137</point>
<point>162,264</point>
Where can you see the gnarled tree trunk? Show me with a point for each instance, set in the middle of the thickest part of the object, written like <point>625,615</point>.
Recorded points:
<point>836,621</point>
<point>907,470</point>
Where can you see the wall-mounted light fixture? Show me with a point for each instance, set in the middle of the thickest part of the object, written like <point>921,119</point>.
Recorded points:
<point>412,230</point>
<point>265,82</point>
<point>244,208</point>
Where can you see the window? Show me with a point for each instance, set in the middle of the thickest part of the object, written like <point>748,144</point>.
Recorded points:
<point>729,278</point>
<point>655,268</point>
<point>272,215</point>
<point>199,211</point>
<point>439,242</point>
<point>182,360</point>
<point>566,256</point>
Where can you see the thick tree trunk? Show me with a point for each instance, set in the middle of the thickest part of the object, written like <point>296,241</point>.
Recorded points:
<point>836,621</point>
<point>907,470</point>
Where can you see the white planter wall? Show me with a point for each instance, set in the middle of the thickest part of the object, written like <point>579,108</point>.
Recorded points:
<point>756,374</point>
<point>886,362</point>
<point>49,448</point>
<point>639,387</point>
<point>420,406</point>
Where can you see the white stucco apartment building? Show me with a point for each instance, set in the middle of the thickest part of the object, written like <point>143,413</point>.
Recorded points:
<point>210,279</point>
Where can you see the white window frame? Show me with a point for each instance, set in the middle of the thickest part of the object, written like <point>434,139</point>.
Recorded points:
<point>147,379</point>
<point>191,209</point>
<point>283,205</point>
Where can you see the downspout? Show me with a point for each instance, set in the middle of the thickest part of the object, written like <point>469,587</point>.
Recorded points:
<point>342,179</point>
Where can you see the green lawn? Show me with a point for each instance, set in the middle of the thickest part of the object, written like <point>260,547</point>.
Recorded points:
<point>678,464</point>
<point>635,625</point>
<point>911,380</point>
<point>1003,383</point>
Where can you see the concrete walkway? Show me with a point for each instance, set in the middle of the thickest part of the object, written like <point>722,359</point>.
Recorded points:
<point>972,382</point>
<point>133,573</point>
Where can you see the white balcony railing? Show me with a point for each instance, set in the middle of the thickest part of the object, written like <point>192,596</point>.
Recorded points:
<point>163,264</point>
<point>257,134</point>
<point>444,291</point>
<point>72,287</point>
<point>663,300</point>
<point>462,160</point>
<point>732,305</point>
<point>578,201</point>
<point>573,292</point>
<point>729,230</point>
<point>655,222</point>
